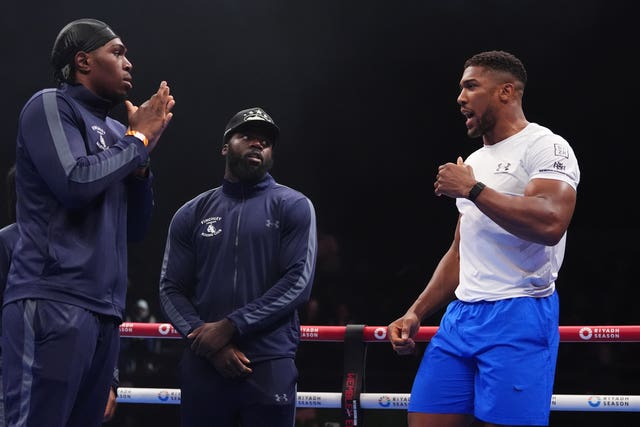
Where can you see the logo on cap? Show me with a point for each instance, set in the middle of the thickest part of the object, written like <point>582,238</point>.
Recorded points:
<point>253,114</point>
<point>256,114</point>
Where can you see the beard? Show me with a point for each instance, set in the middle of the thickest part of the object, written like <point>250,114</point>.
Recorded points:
<point>486,123</point>
<point>244,170</point>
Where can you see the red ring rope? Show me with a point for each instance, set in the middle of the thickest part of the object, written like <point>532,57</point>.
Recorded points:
<point>628,333</point>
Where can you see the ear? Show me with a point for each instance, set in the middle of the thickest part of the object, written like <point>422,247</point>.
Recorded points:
<point>82,62</point>
<point>506,91</point>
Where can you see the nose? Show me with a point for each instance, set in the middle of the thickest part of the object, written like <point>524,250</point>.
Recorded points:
<point>461,100</point>
<point>255,141</point>
<point>127,64</point>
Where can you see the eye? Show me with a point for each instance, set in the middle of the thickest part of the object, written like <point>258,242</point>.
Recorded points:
<point>247,137</point>
<point>120,51</point>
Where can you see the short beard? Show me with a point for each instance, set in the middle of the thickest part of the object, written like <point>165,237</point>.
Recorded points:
<point>244,171</point>
<point>486,123</point>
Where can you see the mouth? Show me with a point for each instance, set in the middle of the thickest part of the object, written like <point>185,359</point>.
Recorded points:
<point>468,114</point>
<point>254,157</point>
<point>128,82</point>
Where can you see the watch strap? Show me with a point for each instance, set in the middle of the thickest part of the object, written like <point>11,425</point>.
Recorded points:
<point>475,191</point>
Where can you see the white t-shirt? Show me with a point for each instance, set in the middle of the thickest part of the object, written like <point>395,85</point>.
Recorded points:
<point>495,264</point>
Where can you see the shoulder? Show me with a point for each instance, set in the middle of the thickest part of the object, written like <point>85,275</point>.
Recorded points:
<point>543,140</point>
<point>36,100</point>
<point>288,193</point>
<point>198,201</point>
<point>9,235</point>
<point>550,156</point>
<point>291,198</point>
<point>538,134</point>
<point>41,101</point>
<point>44,92</point>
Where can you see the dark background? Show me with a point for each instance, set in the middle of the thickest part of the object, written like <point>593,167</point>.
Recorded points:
<point>364,93</point>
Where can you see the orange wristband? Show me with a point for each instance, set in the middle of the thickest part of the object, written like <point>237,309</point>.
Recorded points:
<point>139,135</point>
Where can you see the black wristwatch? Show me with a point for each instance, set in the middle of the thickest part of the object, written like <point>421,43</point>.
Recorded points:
<point>475,190</point>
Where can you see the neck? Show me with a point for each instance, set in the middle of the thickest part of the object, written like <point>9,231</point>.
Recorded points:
<point>505,128</point>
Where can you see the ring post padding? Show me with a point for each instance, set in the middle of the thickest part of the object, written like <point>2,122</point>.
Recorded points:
<point>355,353</point>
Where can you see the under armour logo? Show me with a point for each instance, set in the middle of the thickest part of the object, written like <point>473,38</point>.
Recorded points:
<point>503,167</point>
<point>281,398</point>
<point>272,224</point>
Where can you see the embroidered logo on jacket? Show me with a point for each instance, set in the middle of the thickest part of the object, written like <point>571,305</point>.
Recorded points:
<point>101,143</point>
<point>210,228</point>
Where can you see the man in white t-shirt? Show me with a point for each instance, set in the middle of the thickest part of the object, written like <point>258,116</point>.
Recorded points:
<point>493,358</point>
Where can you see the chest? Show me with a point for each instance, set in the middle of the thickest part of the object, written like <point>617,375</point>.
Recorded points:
<point>248,222</point>
<point>503,170</point>
<point>99,134</point>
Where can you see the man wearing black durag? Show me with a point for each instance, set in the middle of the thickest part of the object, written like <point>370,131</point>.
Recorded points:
<point>84,189</point>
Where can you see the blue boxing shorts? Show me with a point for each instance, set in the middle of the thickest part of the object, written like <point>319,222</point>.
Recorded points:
<point>493,359</point>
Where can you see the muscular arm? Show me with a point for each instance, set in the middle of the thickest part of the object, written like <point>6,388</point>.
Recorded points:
<point>541,216</point>
<point>444,281</point>
<point>438,292</point>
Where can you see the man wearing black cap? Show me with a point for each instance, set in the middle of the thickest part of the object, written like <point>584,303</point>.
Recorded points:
<point>239,261</point>
<point>84,190</point>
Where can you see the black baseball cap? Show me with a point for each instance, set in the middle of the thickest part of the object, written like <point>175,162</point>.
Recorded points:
<point>86,34</point>
<point>251,116</point>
